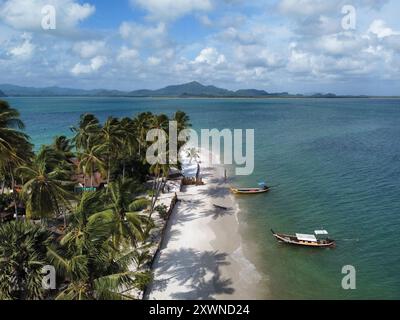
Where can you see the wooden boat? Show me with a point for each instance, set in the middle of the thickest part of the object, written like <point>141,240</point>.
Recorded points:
<point>306,240</point>
<point>220,207</point>
<point>250,190</point>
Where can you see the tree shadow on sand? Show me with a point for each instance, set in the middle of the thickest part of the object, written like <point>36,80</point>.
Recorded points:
<point>215,191</point>
<point>219,213</point>
<point>171,235</point>
<point>197,271</point>
<point>191,204</point>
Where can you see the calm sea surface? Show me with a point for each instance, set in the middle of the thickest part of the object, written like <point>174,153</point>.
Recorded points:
<point>336,165</point>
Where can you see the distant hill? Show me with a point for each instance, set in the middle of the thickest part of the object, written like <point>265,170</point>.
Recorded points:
<point>187,90</point>
<point>18,91</point>
<point>194,89</point>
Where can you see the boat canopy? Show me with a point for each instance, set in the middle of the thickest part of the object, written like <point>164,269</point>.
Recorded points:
<point>306,237</point>
<point>320,232</point>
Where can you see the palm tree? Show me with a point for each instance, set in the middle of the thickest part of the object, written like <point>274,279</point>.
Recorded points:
<point>99,273</point>
<point>86,133</point>
<point>129,141</point>
<point>193,154</point>
<point>159,121</point>
<point>63,145</point>
<point>90,162</point>
<point>53,158</point>
<point>141,124</point>
<point>15,148</point>
<point>91,265</point>
<point>123,216</point>
<point>160,173</point>
<point>111,142</point>
<point>182,120</point>
<point>10,126</point>
<point>23,248</point>
<point>45,192</point>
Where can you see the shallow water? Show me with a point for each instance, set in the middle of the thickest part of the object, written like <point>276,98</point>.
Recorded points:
<point>335,165</point>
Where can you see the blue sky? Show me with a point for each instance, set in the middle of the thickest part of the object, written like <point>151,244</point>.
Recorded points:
<point>298,46</point>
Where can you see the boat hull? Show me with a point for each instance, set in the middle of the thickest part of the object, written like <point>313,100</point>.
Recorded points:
<point>249,191</point>
<point>291,240</point>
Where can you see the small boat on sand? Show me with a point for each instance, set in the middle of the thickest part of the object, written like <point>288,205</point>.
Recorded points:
<point>250,190</point>
<point>220,207</point>
<point>306,240</point>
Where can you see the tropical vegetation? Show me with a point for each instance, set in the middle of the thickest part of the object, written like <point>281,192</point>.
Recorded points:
<point>83,204</point>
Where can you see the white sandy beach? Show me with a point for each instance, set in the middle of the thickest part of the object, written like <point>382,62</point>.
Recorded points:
<point>201,256</point>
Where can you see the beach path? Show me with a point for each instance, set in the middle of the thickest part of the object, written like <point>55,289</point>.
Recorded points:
<point>201,256</point>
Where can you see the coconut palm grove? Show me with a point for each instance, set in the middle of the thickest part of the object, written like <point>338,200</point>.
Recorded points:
<point>85,205</point>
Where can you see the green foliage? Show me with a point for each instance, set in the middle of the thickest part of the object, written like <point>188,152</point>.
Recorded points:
<point>13,142</point>
<point>103,252</point>
<point>23,248</point>
<point>139,204</point>
<point>97,267</point>
<point>45,191</point>
<point>151,193</point>
<point>162,211</point>
<point>126,224</point>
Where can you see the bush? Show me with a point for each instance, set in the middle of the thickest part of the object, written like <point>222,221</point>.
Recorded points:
<point>162,211</point>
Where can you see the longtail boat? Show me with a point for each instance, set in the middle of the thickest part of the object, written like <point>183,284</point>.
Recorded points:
<point>250,190</point>
<point>306,240</point>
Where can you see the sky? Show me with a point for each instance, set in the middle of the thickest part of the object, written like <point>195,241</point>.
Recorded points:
<point>296,46</point>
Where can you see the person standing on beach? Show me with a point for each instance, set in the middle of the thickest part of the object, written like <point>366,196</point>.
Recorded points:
<point>198,173</point>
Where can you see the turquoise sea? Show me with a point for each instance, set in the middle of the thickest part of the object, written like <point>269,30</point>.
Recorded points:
<point>336,165</point>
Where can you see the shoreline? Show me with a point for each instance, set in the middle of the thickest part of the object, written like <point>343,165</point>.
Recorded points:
<point>201,255</point>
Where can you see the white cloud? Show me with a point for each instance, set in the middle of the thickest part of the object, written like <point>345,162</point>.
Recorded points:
<point>248,47</point>
<point>154,61</point>
<point>258,57</point>
<point>381,30</point>
<point>243,37</point>
<point>340,44</point>
<point>311,65</point>
<point>139,34</point>
<point>125,54</point>
<point>25,50</point>
<point>307,7</point>
<point>95,64</point>
<point>27,15</point>
<point>373,4</point>
<point>168,10</point>
<point>210,56</point>
<point>299,61</point>
<point>89,49</point>
<point>319,25</point>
